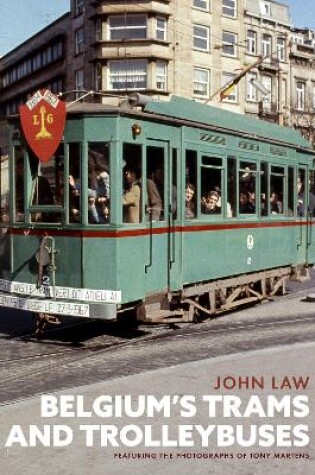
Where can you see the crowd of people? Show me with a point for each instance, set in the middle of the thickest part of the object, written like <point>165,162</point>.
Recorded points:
<point>212,203</point>
<point>99,196</point>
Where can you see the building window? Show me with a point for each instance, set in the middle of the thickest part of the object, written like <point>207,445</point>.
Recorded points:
<point>266,82</point>
<point>300,95</point>
<point>202,4</point>
<point>281,48</point>
<point>251,90</point>
<point>98,77</point>
<point>79,41</point>
<point>99,30</point>
<point>201,37</point>
<point>131,27</point>
<point>313,101</point>
<point>127,74</point>
<point>161,28</point>
<point>251,42</point>
<point>201,82</point>
<point>229,8</point>
<point>232,92</point>
<point>57,50</point>
<point>265,8</point>
<point>229,42</point>
<point>266,45</point>
<point>161,75</point>
<point>79,5</point>
<point>79,82</point>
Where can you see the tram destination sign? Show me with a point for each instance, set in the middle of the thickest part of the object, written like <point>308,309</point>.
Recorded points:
<point>61,293</point>
<point>43,121</point>
<point>45,306</point>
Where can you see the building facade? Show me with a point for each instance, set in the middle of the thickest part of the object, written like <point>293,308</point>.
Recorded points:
<point>190,48</point>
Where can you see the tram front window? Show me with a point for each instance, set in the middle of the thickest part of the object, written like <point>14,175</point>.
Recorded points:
<point>98,193</point>
<point>47,188</point>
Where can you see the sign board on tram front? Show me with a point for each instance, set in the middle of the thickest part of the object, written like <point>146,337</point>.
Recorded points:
<point>43,121</point>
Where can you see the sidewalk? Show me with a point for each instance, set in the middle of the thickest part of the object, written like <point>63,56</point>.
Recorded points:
<point>195,379</point>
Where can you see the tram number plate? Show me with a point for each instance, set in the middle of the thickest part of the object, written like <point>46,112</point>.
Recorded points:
<point>46,306</point>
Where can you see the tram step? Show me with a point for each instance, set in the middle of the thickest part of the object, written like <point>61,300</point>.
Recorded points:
<point>164,316</point>
<point>301,274</point>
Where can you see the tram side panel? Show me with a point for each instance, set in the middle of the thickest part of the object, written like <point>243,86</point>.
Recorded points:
<point>215,254</point>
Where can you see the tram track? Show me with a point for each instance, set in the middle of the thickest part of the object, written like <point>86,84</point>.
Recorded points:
<point>35,366</point>
<point>80,354</point>
<point>184,330</point>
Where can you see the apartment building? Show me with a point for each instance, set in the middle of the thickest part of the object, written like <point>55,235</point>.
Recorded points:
<point>41,61</point>
<point>190,48</point>
<point>302,79</point>
<point>267,26</point>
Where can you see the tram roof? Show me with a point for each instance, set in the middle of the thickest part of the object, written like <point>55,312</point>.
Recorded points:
<point>193,111</point>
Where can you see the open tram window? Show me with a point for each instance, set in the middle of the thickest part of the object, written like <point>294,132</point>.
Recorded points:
<point>74,149</point>
<point>312,192</point>
<point>231,187</point>
<point>98,183</point>
<point>301,198</point>
<point>155,184</point>
<point>191,191</point>
<point>211,185</point>
<point>291,191</point>
<point>247,187</point>
<point>305,196</point>
<point>47,187</point>
<point>264,189</point>
<point>277,176</point>
<point>132,188</point>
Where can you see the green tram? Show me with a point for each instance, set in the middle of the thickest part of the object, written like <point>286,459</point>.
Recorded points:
<point>232,222</point>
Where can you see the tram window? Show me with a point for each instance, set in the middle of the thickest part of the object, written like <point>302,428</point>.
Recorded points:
<point>19,183</point>
<point>98,183</point>
<point>276,189</point>
<point>211,185</point>
<point>74,182</point>
<point>191,191</point>
<point>291,191</point>
<point>231,186</point>
<point>312,181</point>
<point>301,204</point>
<point>4,188</point>
<point>47,186</point>
<point>311,193</point>
<point>132,175</point>
<point>264,189</point>
<point>155,184</point>
<point>247,188</point>
<point>174,184</point>
<point>305,197</point>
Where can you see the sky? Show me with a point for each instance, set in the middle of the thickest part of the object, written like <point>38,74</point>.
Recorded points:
<point>20,19</point>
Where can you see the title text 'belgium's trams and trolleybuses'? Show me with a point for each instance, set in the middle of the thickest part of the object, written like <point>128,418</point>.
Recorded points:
<point>173,211</point>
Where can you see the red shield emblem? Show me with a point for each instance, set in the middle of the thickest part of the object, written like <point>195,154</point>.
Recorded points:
<point>43,122</point>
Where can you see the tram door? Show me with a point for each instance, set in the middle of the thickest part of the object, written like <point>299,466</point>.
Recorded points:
<point>303,231</point>
<point>311,218</point>
<point>161,265</point>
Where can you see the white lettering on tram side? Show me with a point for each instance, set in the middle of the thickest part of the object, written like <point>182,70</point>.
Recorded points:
<point>66,293</point>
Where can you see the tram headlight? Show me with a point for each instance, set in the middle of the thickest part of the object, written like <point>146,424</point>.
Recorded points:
<point>136,130</point>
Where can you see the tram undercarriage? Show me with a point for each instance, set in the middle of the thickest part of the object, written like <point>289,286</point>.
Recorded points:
<point>199,302</point>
